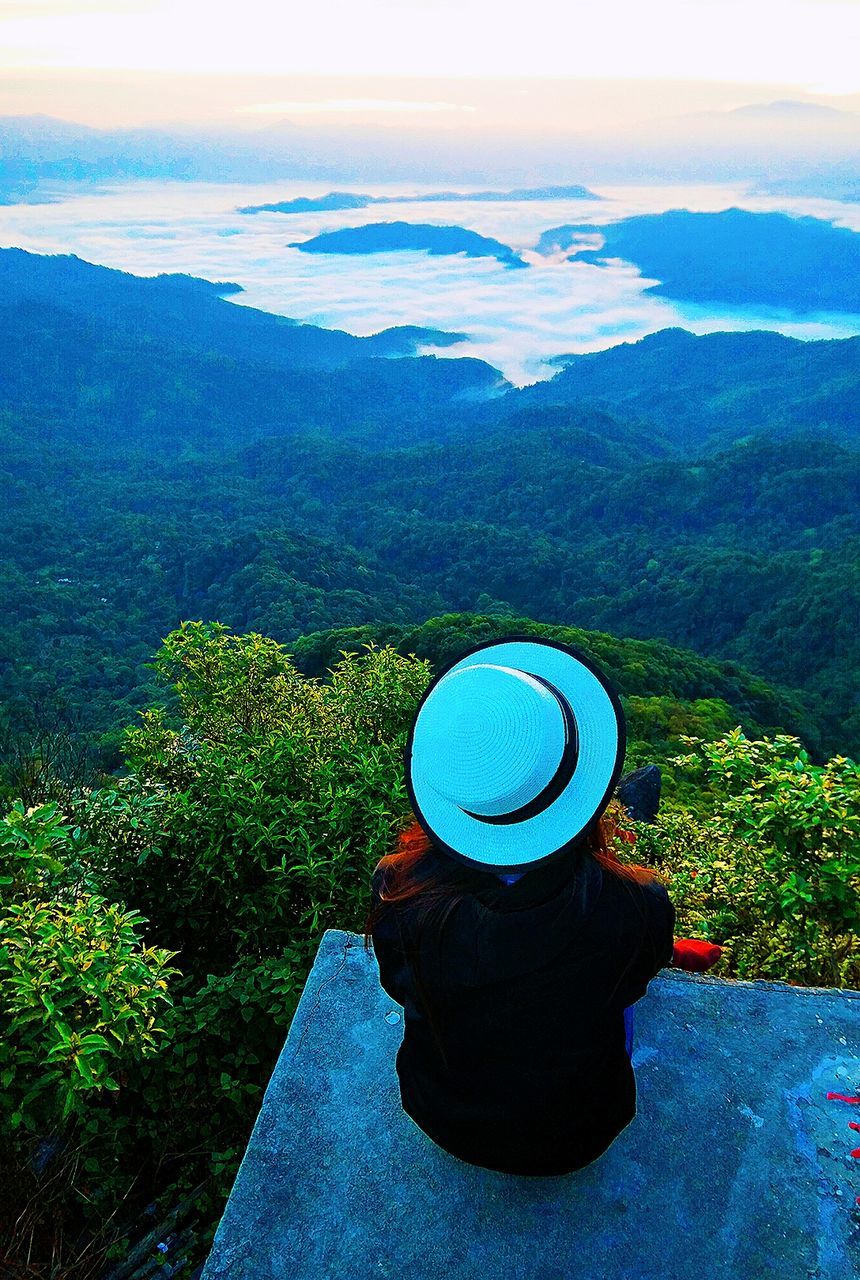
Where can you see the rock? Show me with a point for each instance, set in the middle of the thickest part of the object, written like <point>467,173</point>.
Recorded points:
<point>639,792</point>
<point>333,1157</point>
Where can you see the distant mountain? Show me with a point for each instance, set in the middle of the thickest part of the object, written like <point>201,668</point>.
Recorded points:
<point>519,193</point>
<point>842,184</point>
<point>395,237</point>
<point>788,109</point>
<point>710,390</point>
<point>312,204</point>
<point>192,312</point>
<point>46,148</point>
<point>784,124</point>
<point>62,313</point>
<point>41,130</point>
<point>711,147</point>
<point>350,200</point>
<point>160,365</point>
<point>29,145</point>
<point>22,191</point>
<point>735,257</point>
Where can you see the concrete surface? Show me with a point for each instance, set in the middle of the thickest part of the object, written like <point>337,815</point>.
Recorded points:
<point>735,1167</point>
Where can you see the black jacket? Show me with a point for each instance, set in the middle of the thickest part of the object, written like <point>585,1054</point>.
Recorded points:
<point>526,985</point>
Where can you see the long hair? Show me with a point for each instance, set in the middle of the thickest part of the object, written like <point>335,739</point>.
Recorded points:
<point>406,875</point>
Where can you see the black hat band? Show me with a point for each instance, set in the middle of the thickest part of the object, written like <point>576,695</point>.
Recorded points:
<point>559,780</point>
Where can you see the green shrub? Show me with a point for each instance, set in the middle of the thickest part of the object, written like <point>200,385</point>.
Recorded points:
<point>256,820</point>
<point>251,816</point>
<point>770,868</point>
<point>40,852</point>
<point>79,994</point>
<point>225,1037</point>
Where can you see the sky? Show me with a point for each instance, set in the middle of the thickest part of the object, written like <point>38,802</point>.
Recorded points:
<point>421,63</point>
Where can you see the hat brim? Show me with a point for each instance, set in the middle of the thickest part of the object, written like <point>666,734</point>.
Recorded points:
<point>602,743</point>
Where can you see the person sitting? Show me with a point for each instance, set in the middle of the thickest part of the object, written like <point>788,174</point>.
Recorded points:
<point>504,923</point>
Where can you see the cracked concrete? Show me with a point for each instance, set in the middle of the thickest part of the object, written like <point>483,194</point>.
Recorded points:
<point>737,1165</point>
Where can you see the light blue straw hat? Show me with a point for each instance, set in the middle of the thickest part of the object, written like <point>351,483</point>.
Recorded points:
<point>514,748</point>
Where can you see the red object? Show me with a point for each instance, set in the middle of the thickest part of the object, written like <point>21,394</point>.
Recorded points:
<point>694,955</point>
<point>852,1124</point>
<point>842,1098</point>
<point>856,1152</point>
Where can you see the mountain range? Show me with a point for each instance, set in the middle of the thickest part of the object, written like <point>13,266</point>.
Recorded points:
<point>335,200</point>
<point>700,492</point>
<point>777,142</point>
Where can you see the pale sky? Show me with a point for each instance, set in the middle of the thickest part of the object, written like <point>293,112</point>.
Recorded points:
<point>52,50</point>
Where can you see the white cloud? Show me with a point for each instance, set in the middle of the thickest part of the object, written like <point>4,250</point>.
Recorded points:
<point>351,106</point>
<point>516,319</point>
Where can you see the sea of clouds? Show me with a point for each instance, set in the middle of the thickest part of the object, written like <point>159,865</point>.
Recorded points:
<point>516,320</point>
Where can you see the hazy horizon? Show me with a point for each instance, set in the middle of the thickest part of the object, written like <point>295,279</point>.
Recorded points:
<point>698,104</point>
<point>241,104</point>
<point>422,65</point>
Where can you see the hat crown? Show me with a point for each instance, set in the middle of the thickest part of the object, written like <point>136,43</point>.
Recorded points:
<point>489,738</point>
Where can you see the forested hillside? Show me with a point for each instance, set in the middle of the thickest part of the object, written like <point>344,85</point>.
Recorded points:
<point>169,455</point>
<point>717,388</point>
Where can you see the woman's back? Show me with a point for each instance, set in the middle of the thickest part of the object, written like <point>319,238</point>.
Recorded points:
<point>513,1054</point>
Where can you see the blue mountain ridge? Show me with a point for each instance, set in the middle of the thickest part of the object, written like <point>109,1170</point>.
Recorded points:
<point>353,200</point>
<point>735,257</point>
<point>395,237</point>
<point>194,312</point>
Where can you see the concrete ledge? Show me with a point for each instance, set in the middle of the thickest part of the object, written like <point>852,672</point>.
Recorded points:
<point>735,1167</point>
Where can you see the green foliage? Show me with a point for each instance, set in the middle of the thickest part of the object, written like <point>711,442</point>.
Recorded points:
<point>256,802</point>
<point>39,849</point>
<point>748,556</point>
<point>249,822</point>
<point>232,687</point>
<point>257,818</point>
<point>79,994</point>
<point>656,727</point>
<point>770,792</point>
<point>376,697</point>
<point>260,791</point>
<point>770,865</point>
<point>225,1037</point>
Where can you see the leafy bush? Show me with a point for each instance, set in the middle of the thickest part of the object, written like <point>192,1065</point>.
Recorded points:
<point>256,820</point>
<point>41,853</point>
<point>770,869</point>
<point>256,803</point>
<point>79,994</point>
<point>225,1037</point>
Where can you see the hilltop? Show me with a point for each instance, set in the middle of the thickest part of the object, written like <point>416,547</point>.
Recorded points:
<point>396,237</point>
<point>798,264</point>
<point>707,391</point>
<point>187,312</point>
